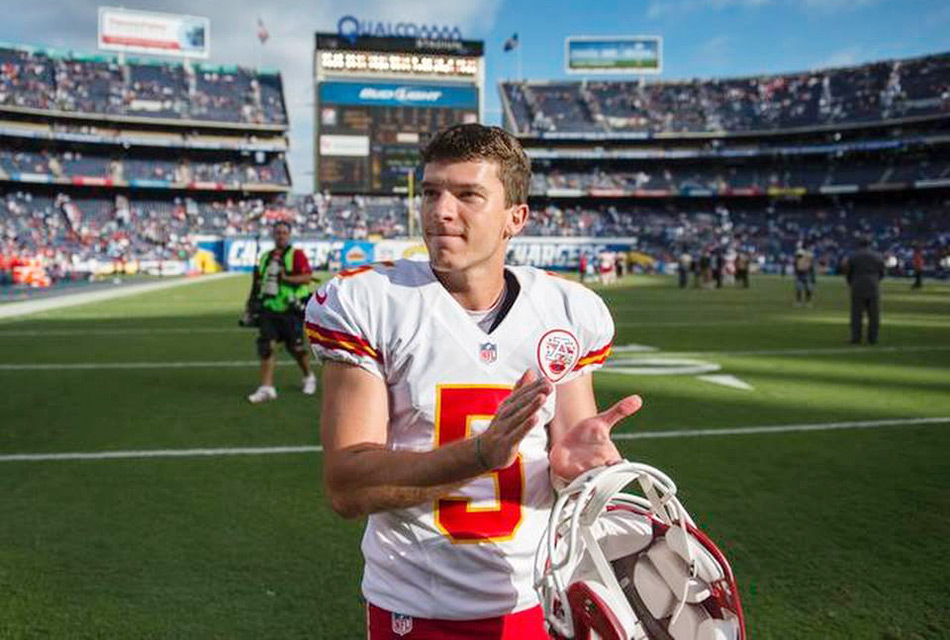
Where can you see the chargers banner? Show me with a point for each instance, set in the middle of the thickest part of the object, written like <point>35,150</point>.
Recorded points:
<point>242,254</point>
<point>398,95</point>
<point>559,254</point>
<point>562,254</point>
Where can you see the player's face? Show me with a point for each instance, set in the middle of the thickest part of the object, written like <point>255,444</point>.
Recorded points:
<point>281,236</point>
<point>465,222</point>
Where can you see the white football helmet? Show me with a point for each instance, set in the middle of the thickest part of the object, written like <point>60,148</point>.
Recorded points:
<point>616,566</point>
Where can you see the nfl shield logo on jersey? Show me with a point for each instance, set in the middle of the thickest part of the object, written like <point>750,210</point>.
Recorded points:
<point>488,352</point>
<point>558,352</point>
<point>402,624</point>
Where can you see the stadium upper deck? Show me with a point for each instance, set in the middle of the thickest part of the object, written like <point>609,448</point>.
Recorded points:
<point>103,88</point>
<point>881,92</point>
<point>104,158</point>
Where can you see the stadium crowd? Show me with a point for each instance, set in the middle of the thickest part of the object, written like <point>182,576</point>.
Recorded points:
<point>101,85</point>
<point>855,95</point>
<point>74,164</point>
<point>771,235</point>
<point>69,231</point>
<point>884,169</point>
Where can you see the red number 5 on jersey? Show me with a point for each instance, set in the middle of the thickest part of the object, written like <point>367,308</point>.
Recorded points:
<point>456,407</point>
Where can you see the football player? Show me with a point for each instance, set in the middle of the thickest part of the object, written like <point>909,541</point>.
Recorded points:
<point>456,391</point>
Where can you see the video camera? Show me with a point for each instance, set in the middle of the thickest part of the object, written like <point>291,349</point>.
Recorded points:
<point>252,314</point>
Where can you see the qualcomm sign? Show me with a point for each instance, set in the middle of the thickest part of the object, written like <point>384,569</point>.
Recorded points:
<point>349,28</point>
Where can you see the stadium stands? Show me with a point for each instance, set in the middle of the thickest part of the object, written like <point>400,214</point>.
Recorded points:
<point>70,231</point>
<point>658,179</point>
<point>760,164</point>
<point>100,85</point>
<point>141,185</point>
<point>109,159</point>
<point>862,95</point>
<point>770,233</point>
<point>76,165</point>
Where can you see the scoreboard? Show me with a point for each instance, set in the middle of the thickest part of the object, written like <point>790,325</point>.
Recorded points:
<point>378,100</point>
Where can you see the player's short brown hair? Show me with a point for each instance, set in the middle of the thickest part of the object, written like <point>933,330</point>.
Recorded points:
<point>466,142</point>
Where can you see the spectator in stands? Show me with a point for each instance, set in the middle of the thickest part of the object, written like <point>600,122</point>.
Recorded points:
<point>864,270</point>
<point>283,281</point>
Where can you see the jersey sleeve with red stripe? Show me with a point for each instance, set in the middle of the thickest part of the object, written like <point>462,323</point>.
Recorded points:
<point>593,325</point>
<point>342,323</point>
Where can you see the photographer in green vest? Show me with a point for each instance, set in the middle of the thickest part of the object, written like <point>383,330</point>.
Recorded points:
<point>282,279</point>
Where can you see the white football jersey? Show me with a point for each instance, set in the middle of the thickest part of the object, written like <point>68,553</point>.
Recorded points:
<point>468,555</point>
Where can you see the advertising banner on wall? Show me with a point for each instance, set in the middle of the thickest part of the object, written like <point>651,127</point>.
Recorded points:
<point>379,94</point>
<point>558,254</point>
<point>628,55</point>
<point>242,254</point>
<point>562,254</point>
<point>388,250</point>
<point>356,253</point>
<point>154,33</point>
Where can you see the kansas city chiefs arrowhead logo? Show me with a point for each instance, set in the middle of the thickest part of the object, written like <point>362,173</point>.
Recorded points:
<point>558,353</point>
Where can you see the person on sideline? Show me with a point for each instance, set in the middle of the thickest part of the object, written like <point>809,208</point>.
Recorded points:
<point>283,280</point>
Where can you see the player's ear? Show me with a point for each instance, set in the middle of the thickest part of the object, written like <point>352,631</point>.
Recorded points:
<point>517,219</point>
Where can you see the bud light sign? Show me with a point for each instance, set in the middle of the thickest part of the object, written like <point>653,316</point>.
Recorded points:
<point>396,95</point>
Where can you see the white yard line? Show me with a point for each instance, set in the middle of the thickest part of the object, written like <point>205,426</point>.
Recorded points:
<point>781,428</point>
<point>854,349</point>
<point>205,364</point>
<point>56,333</point>
<point>85,366</point>
<point>16,309</point>
<point>158,453</point>
<point>678,433</point>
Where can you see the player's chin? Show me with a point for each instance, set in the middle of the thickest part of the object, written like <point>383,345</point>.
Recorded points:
<point>444,257</point>
<point>444,261</point>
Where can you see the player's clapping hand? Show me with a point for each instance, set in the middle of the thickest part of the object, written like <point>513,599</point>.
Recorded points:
<point>588,444</point>
<point>516,416</point>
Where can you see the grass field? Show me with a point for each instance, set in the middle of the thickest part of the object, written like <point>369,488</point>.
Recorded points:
<point>832,532</point>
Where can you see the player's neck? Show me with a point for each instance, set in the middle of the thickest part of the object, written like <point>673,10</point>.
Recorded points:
<point>475,289</point>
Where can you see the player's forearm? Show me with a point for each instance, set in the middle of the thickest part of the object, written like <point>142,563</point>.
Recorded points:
<point>366,478</point>
<point>361,502</point>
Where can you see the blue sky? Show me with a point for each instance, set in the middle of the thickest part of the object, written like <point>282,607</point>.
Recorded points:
<point>707,38</point>
<point>702,38</point>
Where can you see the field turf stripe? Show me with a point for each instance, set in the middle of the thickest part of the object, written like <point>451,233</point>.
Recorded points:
<point>199,364</point>
<point>679,433</point>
